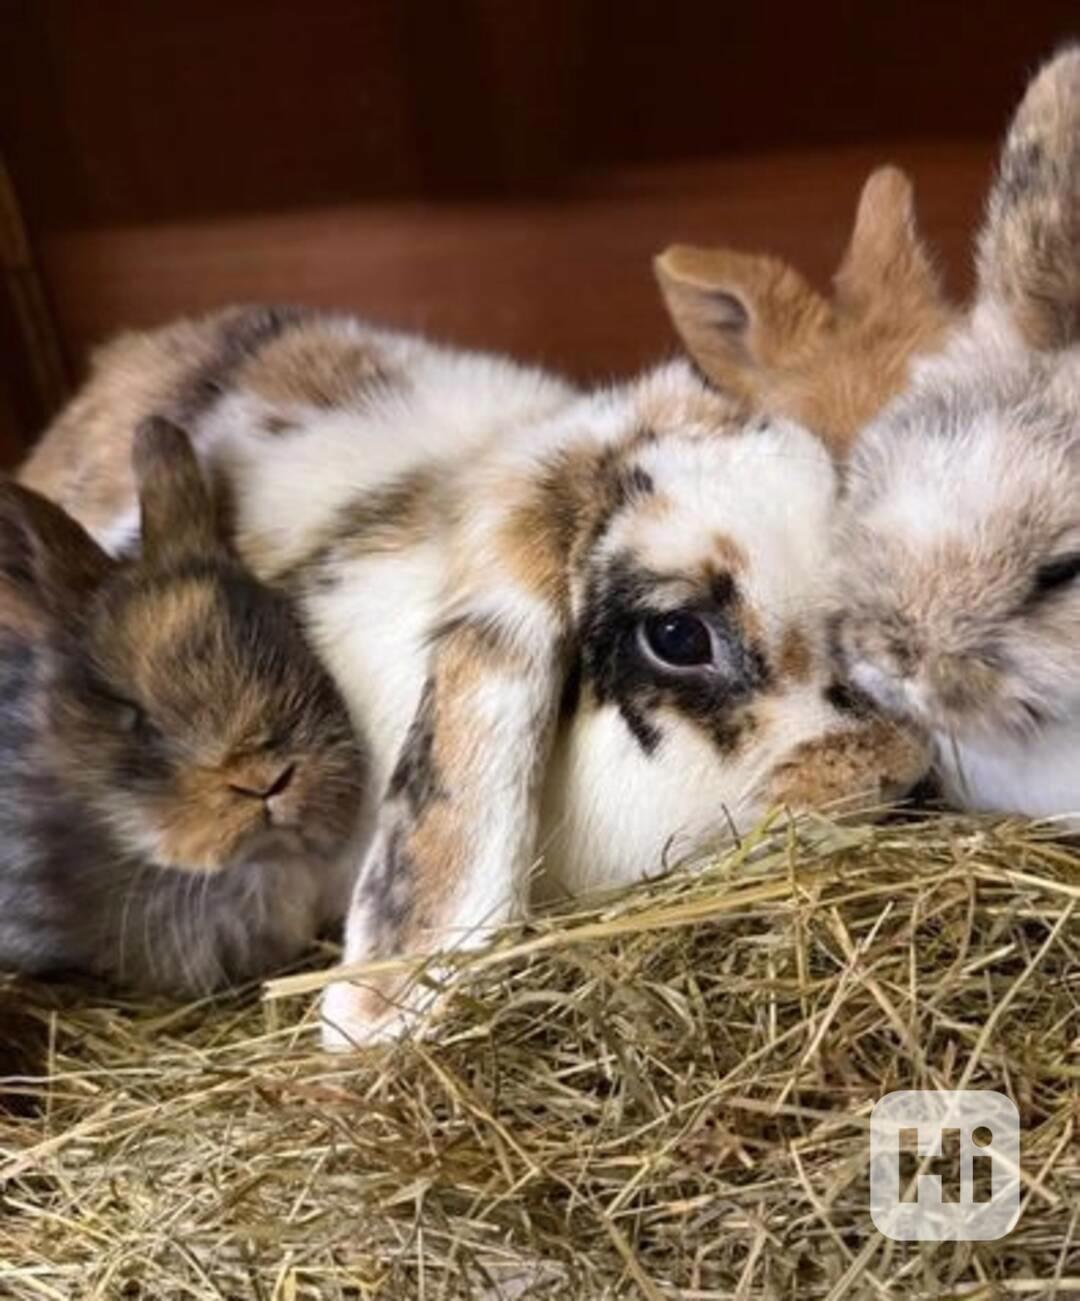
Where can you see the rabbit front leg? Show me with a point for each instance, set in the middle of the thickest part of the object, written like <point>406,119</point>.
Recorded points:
<point>457,828</point>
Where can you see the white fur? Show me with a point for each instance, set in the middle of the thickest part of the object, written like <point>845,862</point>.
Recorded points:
<point>373,642</point>
<point>118,536</point>
<point>1007,775</point>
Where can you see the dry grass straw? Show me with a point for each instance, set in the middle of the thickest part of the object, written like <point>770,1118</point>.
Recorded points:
<point>665,1096</point>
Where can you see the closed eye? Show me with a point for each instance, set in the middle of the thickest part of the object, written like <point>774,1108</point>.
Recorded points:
<point>130,717</point>
<point>1055,575</point>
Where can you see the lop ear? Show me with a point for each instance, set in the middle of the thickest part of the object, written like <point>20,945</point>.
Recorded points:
<point>50,558</point>
<point>886,265</point>
<point>1029,247</point>
<point>740,315</point>
<point>178,519</point>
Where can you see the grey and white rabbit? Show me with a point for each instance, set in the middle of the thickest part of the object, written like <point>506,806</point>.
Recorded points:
<point>960,535</point>
<point>179,780</point>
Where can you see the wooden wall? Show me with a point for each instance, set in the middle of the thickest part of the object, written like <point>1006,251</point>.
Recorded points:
<point>498,171</point>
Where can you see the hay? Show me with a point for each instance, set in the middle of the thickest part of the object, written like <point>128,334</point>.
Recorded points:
<point>665,1096</point>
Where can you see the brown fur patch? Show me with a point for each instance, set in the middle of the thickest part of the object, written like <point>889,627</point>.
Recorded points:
<point>391,518</point>
<point>157,621</point>
<point>277,425</point>
<point>83,461</point>
<point>538,537</point>
<point>727,555</point>
<point>749,623</point>
<point>408,892</point>
<point>314,364</point>
<point>468,653</point>
<point>158,626</point>
<point>795,661</point>
<point>398,515</point>
<point>468,656</point>
<point>720,583</point>
<point>440,839</point>
<point>866,766</point>
<point>471,650</point>
<point>566,509</point>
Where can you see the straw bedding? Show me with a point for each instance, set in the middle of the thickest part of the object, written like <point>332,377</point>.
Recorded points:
<point>664,1096</point>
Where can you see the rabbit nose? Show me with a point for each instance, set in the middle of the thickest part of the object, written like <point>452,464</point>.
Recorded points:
<point>281,782</point>
<point>277,786</point>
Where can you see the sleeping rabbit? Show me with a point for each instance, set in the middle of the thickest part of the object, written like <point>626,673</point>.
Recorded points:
<point>960,535</point>
<point>584,634</point>
<point>179,782</point>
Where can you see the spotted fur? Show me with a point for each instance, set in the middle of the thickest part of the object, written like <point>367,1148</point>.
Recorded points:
<point>962,527</point>
<point>474,548</point>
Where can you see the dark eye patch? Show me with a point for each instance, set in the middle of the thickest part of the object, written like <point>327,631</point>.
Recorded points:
<point>1056,574</point>
<point>710,688</point>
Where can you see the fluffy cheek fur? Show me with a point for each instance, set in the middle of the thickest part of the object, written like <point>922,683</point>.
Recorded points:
<point>649,811</point>
<point>1007,681</point>
<point>887,659</point>
<point>613,813</point>
<point>945,624</point>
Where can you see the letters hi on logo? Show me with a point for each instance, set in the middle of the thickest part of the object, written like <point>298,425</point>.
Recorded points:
<point>945,1164</point>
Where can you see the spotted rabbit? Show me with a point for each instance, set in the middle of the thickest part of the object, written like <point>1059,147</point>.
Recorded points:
<point>584,634</point>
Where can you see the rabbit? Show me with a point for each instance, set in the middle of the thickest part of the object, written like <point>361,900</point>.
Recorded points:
<point>959,533</point>
<point>757,330</point>
<point>584,634</point>
<point>180,784</point>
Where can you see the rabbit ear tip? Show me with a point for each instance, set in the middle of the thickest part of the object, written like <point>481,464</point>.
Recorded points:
<point>888,183</point>
<point>1029,245</point>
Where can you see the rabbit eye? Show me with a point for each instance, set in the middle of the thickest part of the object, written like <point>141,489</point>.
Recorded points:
<point>122,714</point>
<point>1056,574</point>
<point>129,716</point>
<point>678,639</point>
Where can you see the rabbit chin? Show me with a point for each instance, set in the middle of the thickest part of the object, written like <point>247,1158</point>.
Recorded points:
<point>203,850</point>
<point>1036,776</point>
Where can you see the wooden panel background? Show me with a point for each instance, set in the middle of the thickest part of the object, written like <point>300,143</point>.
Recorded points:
<point>498,171</point>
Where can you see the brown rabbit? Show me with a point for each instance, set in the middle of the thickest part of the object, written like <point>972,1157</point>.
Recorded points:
<point>758,330</point>
<point>179,780</point>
